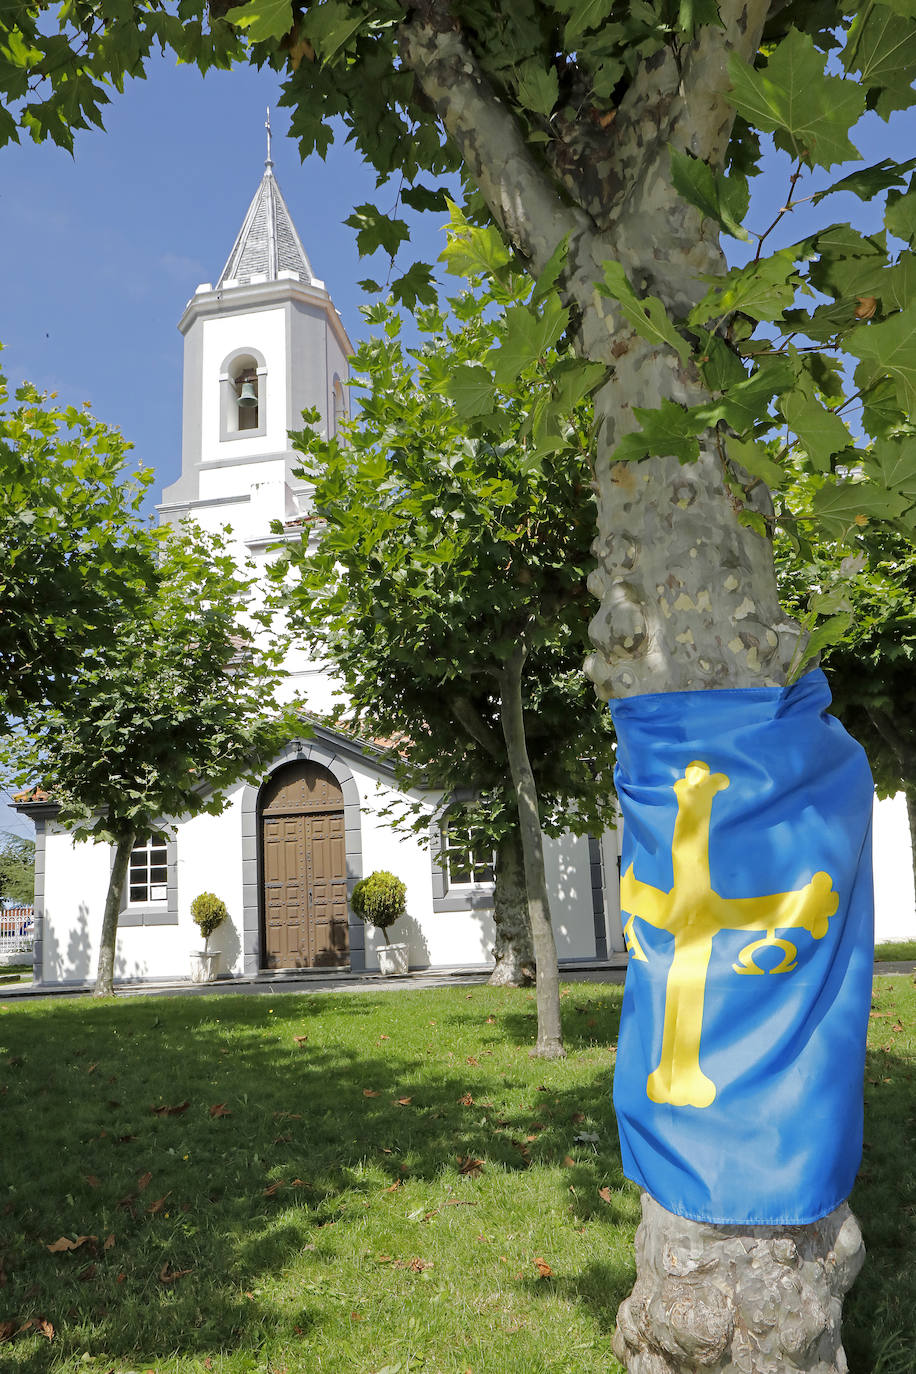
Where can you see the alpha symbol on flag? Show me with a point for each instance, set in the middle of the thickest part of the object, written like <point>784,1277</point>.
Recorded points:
<point>693,913</point>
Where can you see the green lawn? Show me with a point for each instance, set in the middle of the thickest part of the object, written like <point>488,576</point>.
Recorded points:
<point>357,1182</point>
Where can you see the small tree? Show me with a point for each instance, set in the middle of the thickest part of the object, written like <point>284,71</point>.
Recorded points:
<point>379,900</point>
<point>161,721</point>
<point>17,869</point>
<point>75,550</point>
<point>208,912</point>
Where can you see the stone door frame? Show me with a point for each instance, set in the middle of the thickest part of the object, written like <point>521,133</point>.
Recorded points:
<point>298,751</point>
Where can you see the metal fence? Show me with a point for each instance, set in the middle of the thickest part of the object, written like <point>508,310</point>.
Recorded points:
<point>17,930</point>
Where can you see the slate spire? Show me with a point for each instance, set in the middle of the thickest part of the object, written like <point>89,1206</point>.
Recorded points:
<point>267,242</point>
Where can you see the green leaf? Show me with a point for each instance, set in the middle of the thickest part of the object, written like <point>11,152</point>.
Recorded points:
<point>747,402</point>
<point>473,250</point>
<point>717,196</point>
<point>528,336</point>
<point>761,289</point>
<point>900,215</point>
<point>667,432</point>
<point>263,19</point>
<point>841,505</point>
<point>583,16</point>
<point>377,230</point>
<point>720,365</point>
<point>870,181</point>
<point>647,315</point>
<point>820,432</point>
<point>549,277</point>
<point>756,460</point>
<point>538,87</point>
<point>808,112</point>
<point>470,386</point>
<point>882,48</point>
<point>891,346</point>
<point>329,26</point>
<point>416,284</point>
<point>892,463</point>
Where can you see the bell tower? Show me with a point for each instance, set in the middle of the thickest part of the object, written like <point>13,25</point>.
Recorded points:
<point>260,346</point>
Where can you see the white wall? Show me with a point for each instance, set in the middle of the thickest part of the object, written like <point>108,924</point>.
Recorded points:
<point>76,884</point>
<point>895,907</point>
<point>265,332</point>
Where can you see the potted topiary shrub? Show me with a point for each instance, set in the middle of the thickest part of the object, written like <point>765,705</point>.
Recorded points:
<point>379,900</point>
<point>208,912</point>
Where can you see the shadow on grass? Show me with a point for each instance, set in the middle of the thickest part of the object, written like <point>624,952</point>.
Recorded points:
<point>257,1145</point>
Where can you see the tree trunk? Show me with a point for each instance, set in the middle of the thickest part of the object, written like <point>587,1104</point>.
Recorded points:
<point>737,1300</point>
<point>910,794</point>
<point>688,593</point>
<point>514,953</point>
<point>549,1043</point>
<point>104,981</point>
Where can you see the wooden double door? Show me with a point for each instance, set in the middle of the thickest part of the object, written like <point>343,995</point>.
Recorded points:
<point>304,867</point>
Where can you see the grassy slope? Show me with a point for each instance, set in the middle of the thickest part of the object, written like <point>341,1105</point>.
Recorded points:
<point>374,1251</point>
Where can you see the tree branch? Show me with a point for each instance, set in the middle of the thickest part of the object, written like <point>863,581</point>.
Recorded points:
<point>520,196</point>
<point>887,729</point>
<point>471,720</point>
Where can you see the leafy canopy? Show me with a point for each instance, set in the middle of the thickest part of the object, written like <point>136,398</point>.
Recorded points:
<point>159,721</point>
<point>74,548</point>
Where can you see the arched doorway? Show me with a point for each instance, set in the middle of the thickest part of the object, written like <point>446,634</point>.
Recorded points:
<point>304,869</point>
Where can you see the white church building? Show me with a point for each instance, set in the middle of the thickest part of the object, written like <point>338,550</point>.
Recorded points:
<point>260,345</point>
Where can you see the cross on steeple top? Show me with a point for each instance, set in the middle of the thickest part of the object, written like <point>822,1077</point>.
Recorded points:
<point>269,160</point>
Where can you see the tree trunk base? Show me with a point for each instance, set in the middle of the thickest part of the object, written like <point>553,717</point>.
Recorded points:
<point>738,1300</point>
<point>512,973</point>
<point>547,1049</point>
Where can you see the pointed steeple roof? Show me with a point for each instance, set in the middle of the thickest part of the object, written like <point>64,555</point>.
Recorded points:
<point>267,243</point>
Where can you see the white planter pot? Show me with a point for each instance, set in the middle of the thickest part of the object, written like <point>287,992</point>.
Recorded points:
<point>203,965</point>
<point>392,958</point>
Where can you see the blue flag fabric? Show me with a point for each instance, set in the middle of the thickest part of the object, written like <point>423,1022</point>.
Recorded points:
<point>746,891</point>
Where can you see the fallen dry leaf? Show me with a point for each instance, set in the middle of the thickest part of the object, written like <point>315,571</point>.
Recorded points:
<point>274,1188</point>
<point>542,1267</point>
<point>472,1060</point>
<point>87,1274</point>
<point>466,1101</point>
<point>470,1165</point>
<point>418,1265</point>
<point>370,1092</point>
<point>143,1182</point>
<point>577,1117</point>
<point>283,1139</point>
<point>287,1116</point>
<point>384,1037</point>
<point>64,1243</point>
<point>7,1331</point>
<point>300,1039</point>
<point>219,1109</point>
<point>491,1020</point>
<point>46,1329</point>
<point>157,1206</point>
<point>92,1068</point>
<point>93,1181</point>
<point>109,1242</point>
<point>170,1111</point>
<point>397,1183</point>
<point>605,1194</point>
<point>568,1162</point>
<point>405,1101</point>
<point>167,1275</point>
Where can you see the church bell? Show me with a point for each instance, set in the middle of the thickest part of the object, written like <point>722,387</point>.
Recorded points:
<point>248,397</point>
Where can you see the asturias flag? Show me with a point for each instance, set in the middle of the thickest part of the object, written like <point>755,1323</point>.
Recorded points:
<point>746,890</point>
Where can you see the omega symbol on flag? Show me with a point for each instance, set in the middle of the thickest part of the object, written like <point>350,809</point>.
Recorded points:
<point>693,914</point>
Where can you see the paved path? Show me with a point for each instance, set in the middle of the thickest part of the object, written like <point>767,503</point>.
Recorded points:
<point>275,985</point>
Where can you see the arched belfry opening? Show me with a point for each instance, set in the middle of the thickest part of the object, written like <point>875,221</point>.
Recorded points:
<point>304,868</point>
